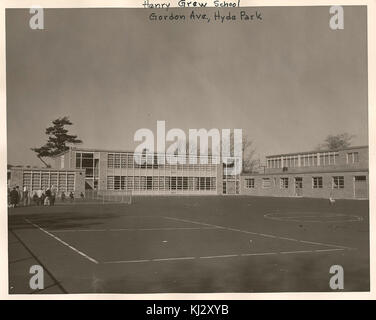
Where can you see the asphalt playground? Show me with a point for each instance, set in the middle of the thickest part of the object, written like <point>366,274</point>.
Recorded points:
<point>190,245</point>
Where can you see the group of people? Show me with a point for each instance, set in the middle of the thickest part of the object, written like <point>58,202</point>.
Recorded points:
<point>44,197</point>
<point>39,197</point>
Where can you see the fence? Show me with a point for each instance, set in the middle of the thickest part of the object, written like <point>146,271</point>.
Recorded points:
<point>109,196</point>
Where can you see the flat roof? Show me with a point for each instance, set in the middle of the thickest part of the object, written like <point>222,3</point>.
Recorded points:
<point>267,157</point>
<point>315,151</point>
<point>117,151</point>
<point>286,173</point>
<point>44,169</point>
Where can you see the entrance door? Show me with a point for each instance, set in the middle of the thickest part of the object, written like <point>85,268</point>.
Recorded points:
<point>360,187</point>
<point>230,187</point>
<point>299,186</point>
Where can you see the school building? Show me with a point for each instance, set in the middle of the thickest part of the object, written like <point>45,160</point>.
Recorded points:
<point>341,174</point>
<point>143,174</point>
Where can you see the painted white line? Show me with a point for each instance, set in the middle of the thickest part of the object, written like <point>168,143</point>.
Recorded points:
<point>325,244</point>
<point>299,251</point>
<point>77,230</point>
<point>195,222</point>
<point>223,256</point>
<point>325,218</point>
<point>289,239</point>
<point>125,261</point>
<point>62,242</point>
<point>133,229</point>
<point>173,259</point>
<point>325,250</point>
<point>260,234</point>
<point>166,229</point>
<point>258,254</point>
<point>242,231</point>
<point>267,235</point>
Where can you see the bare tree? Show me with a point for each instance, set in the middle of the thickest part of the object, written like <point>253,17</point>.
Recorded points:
<point>336,142</point>
<point>248,153</point>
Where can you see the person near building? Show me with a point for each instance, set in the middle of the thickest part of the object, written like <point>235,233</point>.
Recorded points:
<point>14,197</point>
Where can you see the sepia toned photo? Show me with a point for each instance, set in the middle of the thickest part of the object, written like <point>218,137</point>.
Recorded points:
<point>187,148</point>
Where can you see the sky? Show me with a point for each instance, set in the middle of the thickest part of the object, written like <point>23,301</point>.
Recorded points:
<point>287,81</point>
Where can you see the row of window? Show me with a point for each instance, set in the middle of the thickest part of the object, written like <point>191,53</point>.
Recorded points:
<point>41,180</point>
<point>338,182</point>
<point>130,160</point>
<point>117,161</point>
<point>140,183</point>
<point>310,160</point>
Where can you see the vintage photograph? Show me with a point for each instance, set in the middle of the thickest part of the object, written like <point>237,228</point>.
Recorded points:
<point>213,148</point>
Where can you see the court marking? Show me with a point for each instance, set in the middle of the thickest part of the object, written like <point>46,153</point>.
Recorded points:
<point>222,256</point>
<point>173,259</point>
<point>63,242</point>
<point>134,229</point>
<point>261,234</point>
<point>299,217</point>
<point>207,226</point>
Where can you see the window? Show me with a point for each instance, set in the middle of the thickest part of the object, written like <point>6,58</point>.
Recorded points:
<point>117,160</point>
<point>352,157</point>
<point>298,182</point>
<point>317,182</point>
<point>249,183</point>
<point>336,156</point>
<point>117,182</point>
<point>275,163</point>
<point>284,183</point>
<point>110,182</point>
<point>86,161</point>
<point>110,160</point>
<point>290,161</point>
<point>149,183</point>
<point>35,178</point>
<point>328,158</point>
<point>338,182</point>
<point>70,182</point>
<point>62,181</point>
<point>78,160</point>
<point>123,160</point>
<point>54,178</point>
<point>266,183</point>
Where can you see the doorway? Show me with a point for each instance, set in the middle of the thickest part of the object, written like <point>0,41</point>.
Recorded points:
<point>360,187</point>
<point>299,186</point>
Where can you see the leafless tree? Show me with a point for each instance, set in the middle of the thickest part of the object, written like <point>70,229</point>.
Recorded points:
<point>336,142</point>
